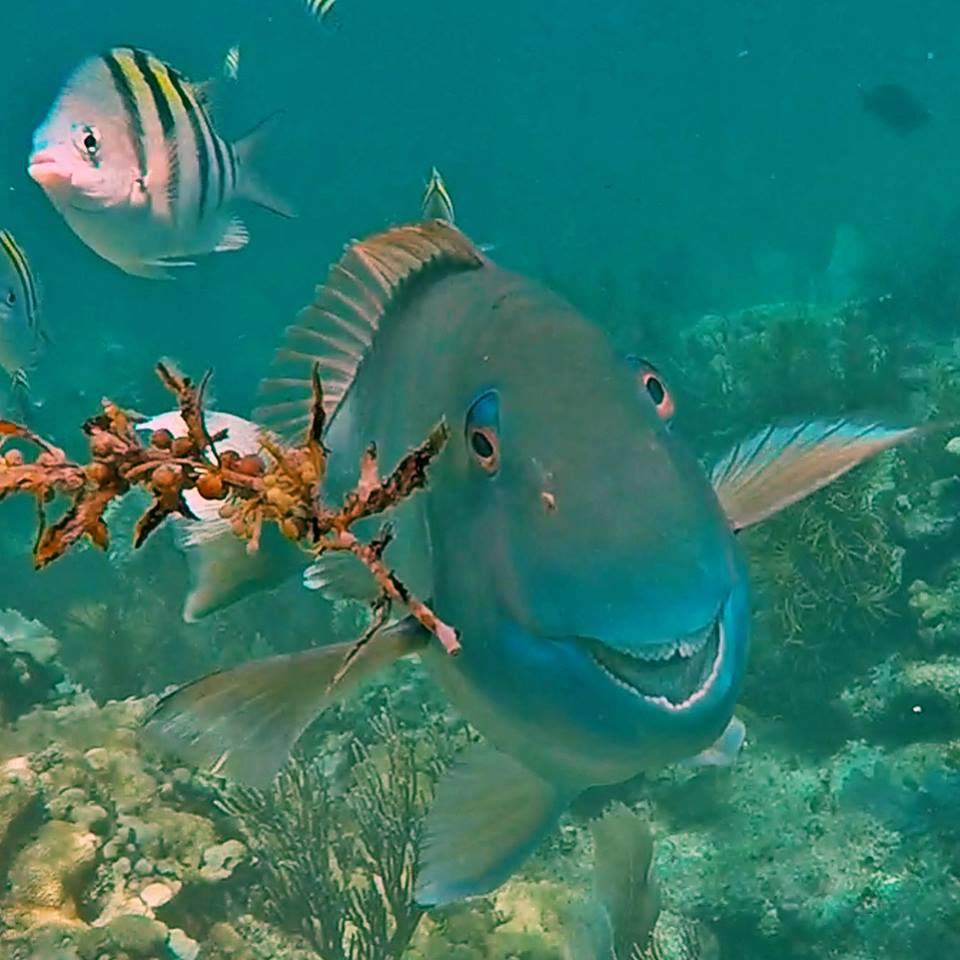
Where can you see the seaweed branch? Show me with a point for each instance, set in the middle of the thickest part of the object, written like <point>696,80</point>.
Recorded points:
<point>281,486</point>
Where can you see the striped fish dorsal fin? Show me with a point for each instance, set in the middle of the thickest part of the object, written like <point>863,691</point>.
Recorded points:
<point>338,329</point>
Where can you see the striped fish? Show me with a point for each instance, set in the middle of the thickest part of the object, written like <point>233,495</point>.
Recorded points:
<point>437,204</point>
<point>22,337</point>
<point>231,63</point>
<point>132,159</point>
<point>321,9</point>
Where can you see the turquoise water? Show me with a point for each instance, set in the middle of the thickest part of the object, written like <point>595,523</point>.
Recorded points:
<point>665,167</point>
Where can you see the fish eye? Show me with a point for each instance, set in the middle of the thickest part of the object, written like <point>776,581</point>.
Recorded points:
<point>649,378</point>
<point>481,431</point>
<point>88,140</point>
<point>11,298</point>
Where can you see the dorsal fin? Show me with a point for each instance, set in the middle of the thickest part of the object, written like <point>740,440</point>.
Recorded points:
<point>340,326</point>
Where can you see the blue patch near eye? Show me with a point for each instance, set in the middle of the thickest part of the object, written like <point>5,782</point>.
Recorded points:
<point>485,411</point>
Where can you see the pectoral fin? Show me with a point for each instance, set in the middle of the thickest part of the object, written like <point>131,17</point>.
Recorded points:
<point>783,464</point>
<point>243,723</point>
<point>490,813</point>
<point>235,236</point>
<point>340,576</point>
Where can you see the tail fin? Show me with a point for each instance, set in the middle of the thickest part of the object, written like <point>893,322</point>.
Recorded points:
<point>250,186</point>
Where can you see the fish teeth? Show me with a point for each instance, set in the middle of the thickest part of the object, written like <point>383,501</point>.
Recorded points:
<point>684,647</point>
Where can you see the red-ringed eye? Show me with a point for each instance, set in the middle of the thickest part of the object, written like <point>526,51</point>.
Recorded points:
<point>482,431</point>
<point>486,448</point>
<point>651,381</point>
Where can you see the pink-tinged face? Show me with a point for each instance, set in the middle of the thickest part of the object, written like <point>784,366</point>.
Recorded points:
<point>83,156</point>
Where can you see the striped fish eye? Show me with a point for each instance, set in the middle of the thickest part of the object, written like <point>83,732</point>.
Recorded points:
<point>482,431</point>
<point>650,380</point>
<point>87,140</point>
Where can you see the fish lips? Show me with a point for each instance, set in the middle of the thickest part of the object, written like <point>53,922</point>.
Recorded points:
<point>675,675</point>
<point>48,171</point>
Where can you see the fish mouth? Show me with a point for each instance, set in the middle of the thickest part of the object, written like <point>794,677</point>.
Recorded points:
<point>45,170</point>
<point>673,675</point>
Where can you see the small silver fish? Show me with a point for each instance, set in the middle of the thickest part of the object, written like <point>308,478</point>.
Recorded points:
<point>131,158</point>
<point>22,337</point>
<point>321,9</point>
<point>437,203</point>
<point>231,63</point>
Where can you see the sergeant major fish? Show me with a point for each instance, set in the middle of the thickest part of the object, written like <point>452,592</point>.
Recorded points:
<point>22,334</point>
<point>322,10</point>
<point>589,562</point>
<point>130,156</point>
<point>231,63</point>
<point>437,204</point>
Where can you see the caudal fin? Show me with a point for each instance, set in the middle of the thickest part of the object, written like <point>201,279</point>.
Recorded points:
<point>251,187</point>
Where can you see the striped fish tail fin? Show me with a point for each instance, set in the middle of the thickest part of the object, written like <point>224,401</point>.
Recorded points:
<point>249,184</point>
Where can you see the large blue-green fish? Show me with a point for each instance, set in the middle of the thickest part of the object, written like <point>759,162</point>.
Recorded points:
<point>588,560</point>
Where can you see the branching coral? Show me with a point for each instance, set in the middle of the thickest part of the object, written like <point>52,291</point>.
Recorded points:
<point>828,576</point>
<point>788,360</point>
<point>340,868</point>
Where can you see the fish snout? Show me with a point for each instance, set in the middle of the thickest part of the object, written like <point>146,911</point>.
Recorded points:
<point>46,169</point>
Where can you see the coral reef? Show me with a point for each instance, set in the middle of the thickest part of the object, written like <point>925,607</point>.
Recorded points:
<point>29,671</point>
<point>798,858</point>
<point>339,867</point>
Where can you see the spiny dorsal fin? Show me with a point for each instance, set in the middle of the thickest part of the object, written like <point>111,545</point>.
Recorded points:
<point>339,327</point>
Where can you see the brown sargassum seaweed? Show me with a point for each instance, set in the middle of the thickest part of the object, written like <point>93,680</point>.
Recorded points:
<point>283,485</point>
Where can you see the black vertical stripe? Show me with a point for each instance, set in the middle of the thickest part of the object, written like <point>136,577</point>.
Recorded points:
<point>167,122</point>
<point>164,112</point>
<point>129,100</point>
<point>218,153</point>
<point>203,155</point>
<point>232,157</point>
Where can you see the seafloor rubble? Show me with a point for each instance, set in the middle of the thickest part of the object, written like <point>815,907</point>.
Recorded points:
<point>834,837</point>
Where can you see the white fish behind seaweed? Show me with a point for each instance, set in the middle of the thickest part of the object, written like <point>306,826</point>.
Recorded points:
<point>221,569</point>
